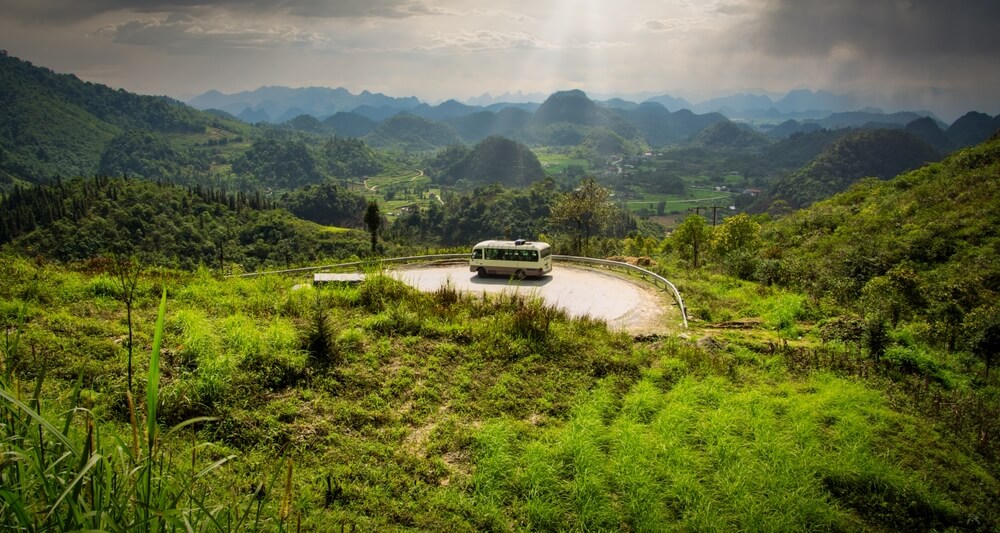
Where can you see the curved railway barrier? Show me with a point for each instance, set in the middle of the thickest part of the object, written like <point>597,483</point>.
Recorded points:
<point>652,277</point>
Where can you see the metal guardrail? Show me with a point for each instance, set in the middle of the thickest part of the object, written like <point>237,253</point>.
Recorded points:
<point>647,275</point>
<point>357,265</point>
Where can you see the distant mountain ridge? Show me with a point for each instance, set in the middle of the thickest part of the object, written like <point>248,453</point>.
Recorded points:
<point>274,103</point>
<point>277,105</point>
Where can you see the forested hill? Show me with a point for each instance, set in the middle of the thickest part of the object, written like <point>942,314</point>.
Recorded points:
<point>493,160</point>
<point>57,125</point>
<point>923,243</point>
<point>877,153</point>
<point>169,225</point>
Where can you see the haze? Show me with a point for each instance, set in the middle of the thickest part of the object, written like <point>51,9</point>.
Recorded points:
<point>919,54</point>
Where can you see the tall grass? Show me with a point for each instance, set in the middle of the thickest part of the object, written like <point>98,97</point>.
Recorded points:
<point>70,472</point>
<point>709,456</point>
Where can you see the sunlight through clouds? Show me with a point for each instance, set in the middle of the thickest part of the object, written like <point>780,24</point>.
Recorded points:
<point>460,48</point>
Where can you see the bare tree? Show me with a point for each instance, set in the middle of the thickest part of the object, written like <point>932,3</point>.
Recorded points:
<point>126,271</point>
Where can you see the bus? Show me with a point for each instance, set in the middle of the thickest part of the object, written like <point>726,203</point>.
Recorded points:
<point>519,258</point>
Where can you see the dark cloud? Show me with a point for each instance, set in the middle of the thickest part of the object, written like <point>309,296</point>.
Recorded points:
<point>184,34</point>
<point>64,11</point>
<point>884,28</point>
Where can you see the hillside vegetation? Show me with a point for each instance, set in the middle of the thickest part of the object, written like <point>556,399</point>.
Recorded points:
<point>379,407</point>
<point>57,125</point>
<point>862,153</point>
<point>169,225</point>
<point>922,245</point>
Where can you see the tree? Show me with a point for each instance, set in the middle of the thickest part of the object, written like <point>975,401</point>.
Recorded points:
<point>982,327</point>
<point>373,220</point>
<point>692,237</point>
<point>735,244</point>
<point>584,211</point>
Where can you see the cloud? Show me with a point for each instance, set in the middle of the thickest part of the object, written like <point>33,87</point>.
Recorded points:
<point>491,40</point>
<point>892,28</point>
<point>520,18</point>
<point>668,24</point>
<point>185,34</point>
<point>359,8</point>
<point>67,11</point>
<point>483,40</point>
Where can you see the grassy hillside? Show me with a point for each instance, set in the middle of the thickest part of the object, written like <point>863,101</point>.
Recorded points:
<point>924,244</point>
<point>382,408</point>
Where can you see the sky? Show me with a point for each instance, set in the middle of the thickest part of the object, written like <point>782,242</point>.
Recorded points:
<point>938,55</point>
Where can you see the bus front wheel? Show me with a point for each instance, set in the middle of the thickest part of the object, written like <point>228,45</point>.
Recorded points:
<point>520,274</point>
<point>481,272</point>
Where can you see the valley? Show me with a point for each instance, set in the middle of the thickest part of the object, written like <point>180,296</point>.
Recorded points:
<point>840,274</point>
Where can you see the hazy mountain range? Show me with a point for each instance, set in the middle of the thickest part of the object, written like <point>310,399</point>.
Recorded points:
<point>280,104</point>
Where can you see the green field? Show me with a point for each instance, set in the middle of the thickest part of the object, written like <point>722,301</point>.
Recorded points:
<point>556,163</point>
<point>675,203</point>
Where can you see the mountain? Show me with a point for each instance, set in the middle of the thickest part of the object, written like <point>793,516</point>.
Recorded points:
<point>530,107</point>
<point>496,160</point>
<point>859,154</point>
<point>412,133</point>
<point>802,100</point>
<point>670,102</point>
<point>791,126</point>
<point>277,102</point>
<point>859,119</point>
<point>307,123</point>
<point>725,134</point>
<point>444,110</point>
<point>737,103</point>
<point>57,125</point>
<point>515,98</point>
<point>376,114</point>
<point>661,127</point>
<point>972,128</point>
<point>573,107</point>
<point>251,116</point>
<point>566,117</point>
<point>929,131</point>
<point>930,232</point>
<point>350,124</point>
<point>795,151</point>
<point>618,103</point>
<point>509,122</point>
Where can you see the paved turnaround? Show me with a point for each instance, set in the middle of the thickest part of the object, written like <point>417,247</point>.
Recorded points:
<point>635,306</point>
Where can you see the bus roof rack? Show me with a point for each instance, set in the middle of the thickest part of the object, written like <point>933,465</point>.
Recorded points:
<point>519,242</point>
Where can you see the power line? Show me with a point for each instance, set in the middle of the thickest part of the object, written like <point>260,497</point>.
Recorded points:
<point>714,208</point>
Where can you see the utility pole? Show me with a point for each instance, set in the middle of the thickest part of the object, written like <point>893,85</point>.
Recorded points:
<point>714,209</point>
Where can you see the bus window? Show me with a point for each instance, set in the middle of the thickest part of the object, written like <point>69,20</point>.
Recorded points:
<point>532,255</point>
<point>477,254</point>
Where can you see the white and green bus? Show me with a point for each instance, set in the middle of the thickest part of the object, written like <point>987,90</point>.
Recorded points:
<point>519,258</point>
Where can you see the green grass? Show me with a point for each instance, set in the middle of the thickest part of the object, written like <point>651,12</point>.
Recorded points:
<point>448,411</point>
<point>708,456</point>
<point>556,163</point>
